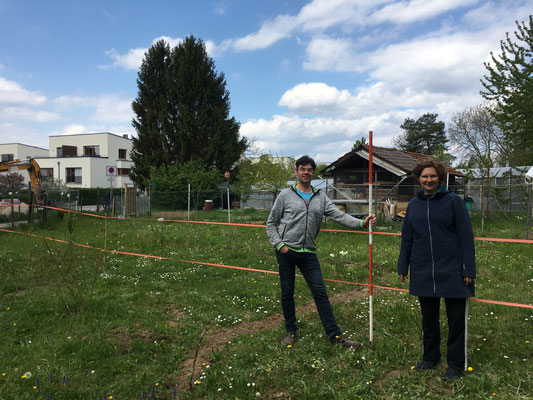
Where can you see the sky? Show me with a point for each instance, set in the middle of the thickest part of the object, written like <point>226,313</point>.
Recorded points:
<point>304,77</point>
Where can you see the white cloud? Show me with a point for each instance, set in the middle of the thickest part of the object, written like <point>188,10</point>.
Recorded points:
<point>269,33</point>
<point>73,129</point>
<point>112,108</point>
<point>416,10</point>
<point>132,60</point>
<point>27,114</point>
<point>15,133</point>
<point>107,107</point>
<point>315,98</point>
<point>12,93</point>
<point>66,102</point>
<point>292,135</point>
<point>327,54</point>
<point>347,15</point>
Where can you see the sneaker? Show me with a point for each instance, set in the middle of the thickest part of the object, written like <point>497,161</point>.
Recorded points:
<point>341,340</point>
<point>425,365</point>
<point>452,374</point>
<point>289,339</point>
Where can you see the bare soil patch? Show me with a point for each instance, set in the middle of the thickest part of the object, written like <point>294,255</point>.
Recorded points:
<point>215,340</point>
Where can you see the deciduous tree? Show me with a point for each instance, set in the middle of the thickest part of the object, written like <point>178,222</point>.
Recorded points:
<point>11,181</point>
<point>267,173</point>
<point>509,83</point>
<point>476,133</point>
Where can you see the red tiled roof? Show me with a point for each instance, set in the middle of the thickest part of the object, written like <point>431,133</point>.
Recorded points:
<point>404,160</point>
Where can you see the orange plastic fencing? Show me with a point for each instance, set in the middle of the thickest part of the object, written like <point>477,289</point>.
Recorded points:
<point>245,268</point>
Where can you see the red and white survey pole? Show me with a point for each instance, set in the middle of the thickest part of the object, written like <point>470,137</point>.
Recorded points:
<point>370,255</point>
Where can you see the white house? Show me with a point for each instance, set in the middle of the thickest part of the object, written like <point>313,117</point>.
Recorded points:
<point>19,151</point>
<point>83,160</point>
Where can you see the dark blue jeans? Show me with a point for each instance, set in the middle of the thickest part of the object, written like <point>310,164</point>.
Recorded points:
<point>309,266</point>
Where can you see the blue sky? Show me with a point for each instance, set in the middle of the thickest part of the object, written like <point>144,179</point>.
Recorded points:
<point>305,77</point>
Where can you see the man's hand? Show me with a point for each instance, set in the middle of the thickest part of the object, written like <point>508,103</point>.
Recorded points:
<point>467,280</point>
<point>370,219</point>
<point>403,277</point>
<point>283,249</point>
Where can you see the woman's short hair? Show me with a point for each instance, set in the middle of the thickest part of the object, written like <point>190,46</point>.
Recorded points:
<point>439,167</point>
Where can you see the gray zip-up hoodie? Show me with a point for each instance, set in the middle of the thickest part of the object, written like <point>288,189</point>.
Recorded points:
<point>296,225</point>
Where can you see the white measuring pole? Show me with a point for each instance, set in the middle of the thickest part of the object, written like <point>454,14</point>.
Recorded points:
<point>189,204</point>
<point>370,254</point>
<point>229,206</point>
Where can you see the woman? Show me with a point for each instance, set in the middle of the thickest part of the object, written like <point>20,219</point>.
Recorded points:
<point>438,247</point>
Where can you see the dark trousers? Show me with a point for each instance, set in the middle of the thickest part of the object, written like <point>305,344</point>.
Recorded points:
<point>309,266</point>
<point>455,311</point>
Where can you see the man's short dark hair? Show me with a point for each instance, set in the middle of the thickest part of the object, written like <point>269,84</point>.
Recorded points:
<point>439,167</point>
<point>305,160</point>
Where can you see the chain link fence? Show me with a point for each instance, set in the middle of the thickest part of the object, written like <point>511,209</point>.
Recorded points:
<point>389,202</point>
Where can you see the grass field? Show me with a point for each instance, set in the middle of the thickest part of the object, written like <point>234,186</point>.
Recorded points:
<point>87,324</point>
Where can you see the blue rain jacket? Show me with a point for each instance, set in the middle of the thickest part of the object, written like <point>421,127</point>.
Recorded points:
<point>438,246</point>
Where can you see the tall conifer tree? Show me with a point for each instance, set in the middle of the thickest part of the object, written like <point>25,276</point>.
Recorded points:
<point>151,147</point>
<point>191,110</point>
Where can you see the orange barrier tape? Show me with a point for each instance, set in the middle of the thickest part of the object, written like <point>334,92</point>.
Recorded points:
<point>484,239</point>
<point>503,303</point>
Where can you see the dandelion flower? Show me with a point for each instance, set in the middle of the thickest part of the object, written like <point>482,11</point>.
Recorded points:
<point>289,346</point>
<point>157,383</point>
<point>412,367</point>
<point>470,369</point>
<point>3,374</point>
<point>14,324</point>
<point>527,341</point>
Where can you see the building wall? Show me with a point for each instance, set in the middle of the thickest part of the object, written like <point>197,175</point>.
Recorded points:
<point>93,168</point>
<point>22,151</point>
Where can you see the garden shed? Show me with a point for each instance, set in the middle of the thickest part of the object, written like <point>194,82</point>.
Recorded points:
<point>392,175</point>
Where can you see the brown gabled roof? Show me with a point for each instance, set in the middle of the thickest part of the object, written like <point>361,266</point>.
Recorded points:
<point>404,160</point>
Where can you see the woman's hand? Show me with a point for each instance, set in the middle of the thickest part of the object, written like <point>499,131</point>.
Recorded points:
<point>403,277</point>
<point>467,280</point>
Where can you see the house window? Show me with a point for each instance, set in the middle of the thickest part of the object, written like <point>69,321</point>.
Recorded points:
<point>122,154</point>
<point>73,175</point>
<point>47,173</point>
<point>67,151</point>
<point>8,157</point>
<point>123,171</point>
<point>91,151</point>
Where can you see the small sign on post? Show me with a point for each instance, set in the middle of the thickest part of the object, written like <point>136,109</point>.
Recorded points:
<point>111,172</point>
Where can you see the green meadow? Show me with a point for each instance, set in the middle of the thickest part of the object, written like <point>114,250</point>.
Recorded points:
<point>82,323</point>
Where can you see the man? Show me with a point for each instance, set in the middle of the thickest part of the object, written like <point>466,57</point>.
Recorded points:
<point>292,226</point>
